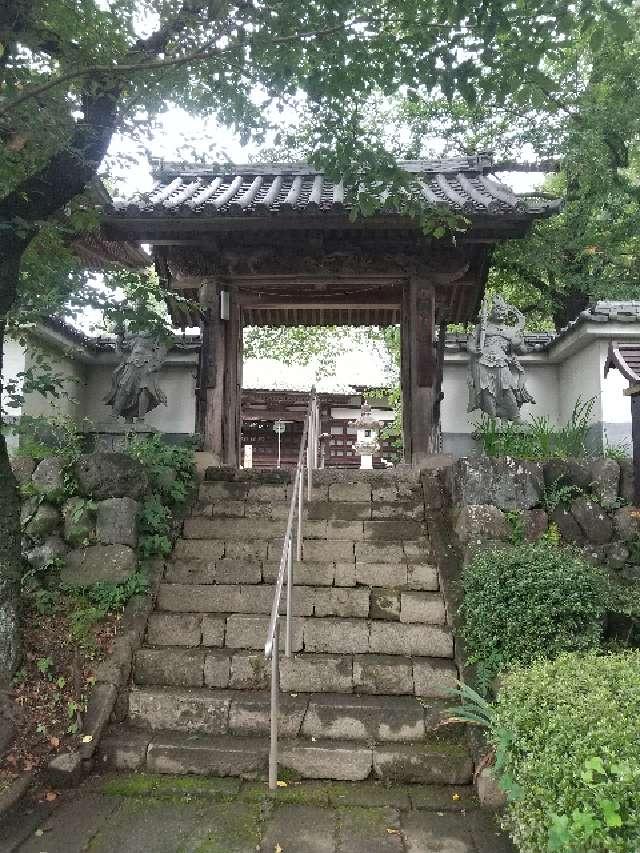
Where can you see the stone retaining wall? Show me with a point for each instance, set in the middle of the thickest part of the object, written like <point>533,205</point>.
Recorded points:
<point>85,514</point>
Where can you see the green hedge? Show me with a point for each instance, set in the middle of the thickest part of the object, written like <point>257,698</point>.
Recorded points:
<point>527,601</point>
<point>571,760</point>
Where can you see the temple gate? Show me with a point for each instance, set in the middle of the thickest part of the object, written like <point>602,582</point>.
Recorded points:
<point>274,245</point>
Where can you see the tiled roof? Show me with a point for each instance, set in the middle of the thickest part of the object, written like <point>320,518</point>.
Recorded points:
<point>461,184</point>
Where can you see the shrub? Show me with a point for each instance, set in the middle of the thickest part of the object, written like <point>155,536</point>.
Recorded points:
<point>527,601</point>
<point>170,467</point>
<point>571,762</point>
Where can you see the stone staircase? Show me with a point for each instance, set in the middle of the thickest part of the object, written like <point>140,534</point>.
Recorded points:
<point>365,691</point>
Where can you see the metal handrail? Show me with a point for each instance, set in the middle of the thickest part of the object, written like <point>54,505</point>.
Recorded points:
<point>308,443</point>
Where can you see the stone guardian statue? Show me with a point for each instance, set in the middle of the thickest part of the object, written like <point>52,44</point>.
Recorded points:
<point>496,377</point>
<point>134,383</point>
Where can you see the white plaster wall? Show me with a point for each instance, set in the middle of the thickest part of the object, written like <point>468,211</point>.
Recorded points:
<point>179,415</point>
<point>580,375</point>
<point>72,372</point>
<point>13,361</point>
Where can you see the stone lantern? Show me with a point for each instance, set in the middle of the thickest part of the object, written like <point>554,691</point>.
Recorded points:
<point>367,431</point>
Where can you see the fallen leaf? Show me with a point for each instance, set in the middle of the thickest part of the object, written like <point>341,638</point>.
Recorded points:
<point>54,741</point>
<point>393,831</point>
<point>455,797</point>
<point>39,833</point>
<point>277,848</point>
<point>51,796</point>
<point>281,784</point>
<point>87,738</point>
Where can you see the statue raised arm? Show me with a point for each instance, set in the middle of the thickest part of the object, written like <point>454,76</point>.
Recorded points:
<point>134,383</point>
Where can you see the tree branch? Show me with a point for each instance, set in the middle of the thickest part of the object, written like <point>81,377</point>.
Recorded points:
<point>202,54</point>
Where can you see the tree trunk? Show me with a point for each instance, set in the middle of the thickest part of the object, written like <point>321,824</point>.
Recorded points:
<point>10,556</point>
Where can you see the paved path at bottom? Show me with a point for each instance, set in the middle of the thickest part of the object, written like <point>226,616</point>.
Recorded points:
<point>139,813</point>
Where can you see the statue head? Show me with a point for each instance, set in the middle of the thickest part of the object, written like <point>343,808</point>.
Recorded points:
<point>499,310</point>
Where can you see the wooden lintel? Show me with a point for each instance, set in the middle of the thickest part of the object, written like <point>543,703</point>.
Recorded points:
<point>631,391</point>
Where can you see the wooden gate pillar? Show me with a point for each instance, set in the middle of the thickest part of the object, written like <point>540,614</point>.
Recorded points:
<point>418,369</point>
<point>220,374</point>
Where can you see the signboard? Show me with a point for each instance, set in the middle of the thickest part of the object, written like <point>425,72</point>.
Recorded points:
<point>279,427</point>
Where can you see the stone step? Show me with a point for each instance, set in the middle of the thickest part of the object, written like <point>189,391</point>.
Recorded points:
<point>314,550</point>
<point>378,530</point>
<point>435,761</point>
<point>247,669</point>
<point>410,510</point>
<point>325,634</point>
<point>241,712</point>
<point>363,602</point>
<point>400,575</point>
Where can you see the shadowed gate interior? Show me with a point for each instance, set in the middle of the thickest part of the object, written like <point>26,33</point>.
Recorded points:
<point>275,245</point>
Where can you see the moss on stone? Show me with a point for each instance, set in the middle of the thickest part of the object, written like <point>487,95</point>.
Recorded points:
<point>237,829</point>
<point>171,787</point>
<point>296,793</point>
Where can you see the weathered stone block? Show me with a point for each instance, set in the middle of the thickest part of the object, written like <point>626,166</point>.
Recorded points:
<point>346,636</point>
<point>534,524</point>
<point>178,710</point>
<point>350,492</point>
<point>368,552</point>
<point>256,550</point>
<point>626,522</point>
<point>503,483</point>
<point>110,475</point>
<point>238,571</point>
<point>421,764</point>
<point>392,574</point>
<point>85,566</point>
<point>423,607</point>
<point>341,601</point>
<point>490,793</point>
<point>79,521</point>
<point>251,715</point>
<point>340,511</point>
<point>191,598</point>
<point>303,598</point>
<point>124,750</point>
<point>43,555</point>
<point>49,475</point>
<point>626,481</point>
<point>217,669</point>
<point>478,522</point>
<point>175,629</point>
<point>221,491</point>
<point>224,509</point>
<point>593,520</point>
<point>250,632</point>
<point>267,492</point>
<point>304,573</point>
<point>23,468</point>
<point>382,674</point>
<point>605,481</point>
<point>203,549</point>
<point>227,755</point>
<point>65,770</point>
<point>346,762</point>
<point>45,520</point>
<point>364,718</point>
<point>384,530</point>
<point>178,668</point>
<point>116,522</point>
<point>250,671</point>
<point>345,574</point>
<point>231,528</point>
<point>422,576</point>
<point>409,509</point>
<point>191,571</point>
<point>399,639</point>
<point>567,472</point>
<point>213,628</point>
<point>99,707</point>
<point>434,677</point>
<point>317,550</point>
<point>310,673</point>
<point>570,530</point>
<point>385,604</point>
<point>348,531</point>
